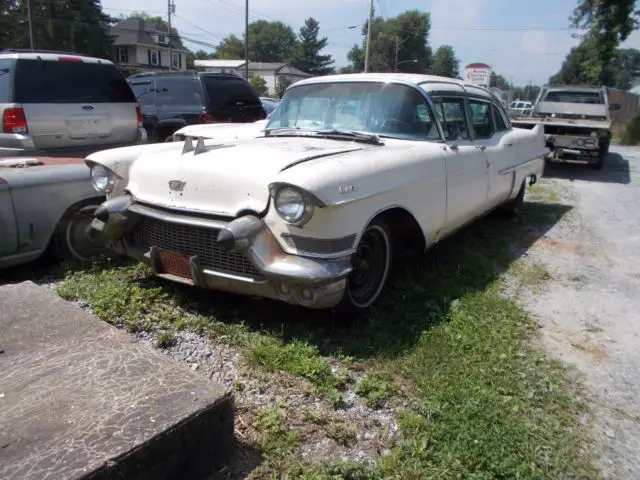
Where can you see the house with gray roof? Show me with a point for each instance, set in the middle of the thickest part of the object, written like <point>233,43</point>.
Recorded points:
<point>139,45</point>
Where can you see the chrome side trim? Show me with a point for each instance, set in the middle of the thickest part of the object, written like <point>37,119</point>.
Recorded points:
<point>513,168</point>
<point>175,218</point>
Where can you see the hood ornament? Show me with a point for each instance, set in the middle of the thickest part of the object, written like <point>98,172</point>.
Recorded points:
<point>177,185</point>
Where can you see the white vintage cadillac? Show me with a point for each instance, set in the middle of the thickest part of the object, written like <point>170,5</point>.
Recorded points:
<point>312,205</point>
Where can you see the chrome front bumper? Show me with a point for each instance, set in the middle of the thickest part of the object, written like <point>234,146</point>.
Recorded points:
<point>310,282</point>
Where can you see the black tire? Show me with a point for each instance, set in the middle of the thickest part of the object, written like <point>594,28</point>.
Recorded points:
<point>603,153</point>
<point>512,209</point>
<point>371,266</point>
<point>70,240</point>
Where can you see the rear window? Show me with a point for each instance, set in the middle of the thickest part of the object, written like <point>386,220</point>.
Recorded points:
<point>568,96</point>
<point>229,91</point>
<point>39,81</point>
<point>6,68</point>
<point>178,91</point>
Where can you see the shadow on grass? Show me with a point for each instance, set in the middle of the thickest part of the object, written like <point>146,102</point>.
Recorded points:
<point>616,169</point>
<point>419,295</point>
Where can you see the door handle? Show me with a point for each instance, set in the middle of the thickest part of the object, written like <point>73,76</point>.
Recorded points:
<point>481,147</point>
<point>509,145</point>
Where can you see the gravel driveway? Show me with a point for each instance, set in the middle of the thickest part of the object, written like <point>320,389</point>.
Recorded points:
<point>590,310</point>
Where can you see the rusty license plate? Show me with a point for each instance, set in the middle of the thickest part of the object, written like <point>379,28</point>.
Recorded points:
<point>174,263</point>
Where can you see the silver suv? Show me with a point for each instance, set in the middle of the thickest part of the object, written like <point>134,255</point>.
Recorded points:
<point>61,104</point>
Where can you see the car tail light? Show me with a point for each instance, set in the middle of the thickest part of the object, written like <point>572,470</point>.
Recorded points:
<point>14,121</point>
<point>206,118</point>
<point>70,59</point>
<point>139,115</point>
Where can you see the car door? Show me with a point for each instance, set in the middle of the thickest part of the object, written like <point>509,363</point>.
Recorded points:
<point>495,140</point>
<point>8,227</point>
<point>466,166</point>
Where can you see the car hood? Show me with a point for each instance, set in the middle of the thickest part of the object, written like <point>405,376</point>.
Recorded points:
<point>223,131</point>
<point>228,177</point>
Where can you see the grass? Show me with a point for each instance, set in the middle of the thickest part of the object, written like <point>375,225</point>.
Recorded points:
<point>481,401</point>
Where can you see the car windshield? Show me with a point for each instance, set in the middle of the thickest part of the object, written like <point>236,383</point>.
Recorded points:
<point>566,96</point>
<point>385,109</point>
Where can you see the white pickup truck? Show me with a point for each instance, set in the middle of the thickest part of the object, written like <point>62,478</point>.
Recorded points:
<point>576,123</point>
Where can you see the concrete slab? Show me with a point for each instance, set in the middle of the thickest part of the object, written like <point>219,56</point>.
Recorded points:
<point>81,399</point>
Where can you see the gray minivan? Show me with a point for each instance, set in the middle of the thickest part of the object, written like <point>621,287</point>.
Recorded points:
<point>63,104</point>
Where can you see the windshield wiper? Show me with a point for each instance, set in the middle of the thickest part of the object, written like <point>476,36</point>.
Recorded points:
<point>288,131</point>
<point>352,134</point>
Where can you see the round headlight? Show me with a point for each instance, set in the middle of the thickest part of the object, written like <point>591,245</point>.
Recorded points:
<point>101,178</point>
<point>594,134</point>
<point>291,205</point>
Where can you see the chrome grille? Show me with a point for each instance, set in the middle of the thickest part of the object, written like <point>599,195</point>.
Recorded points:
<point>191,240</point>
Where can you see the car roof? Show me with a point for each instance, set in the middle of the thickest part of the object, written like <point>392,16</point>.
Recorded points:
<point>431,83</point>
<point>182,73</point>
<point>49,56</point>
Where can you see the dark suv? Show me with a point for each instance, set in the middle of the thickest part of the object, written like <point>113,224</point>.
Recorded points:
<point>174,99</point>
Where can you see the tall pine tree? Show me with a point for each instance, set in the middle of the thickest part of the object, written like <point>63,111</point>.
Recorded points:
<point>307,55</point>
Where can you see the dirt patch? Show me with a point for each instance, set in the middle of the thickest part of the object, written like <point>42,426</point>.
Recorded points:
<point>589,310</point>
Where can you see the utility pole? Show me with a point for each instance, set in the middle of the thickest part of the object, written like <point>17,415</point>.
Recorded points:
<point>366,54</point>
<point>246,40</point>
<point>395,62</point>
<point>171,8</point>
<point>30,25</point>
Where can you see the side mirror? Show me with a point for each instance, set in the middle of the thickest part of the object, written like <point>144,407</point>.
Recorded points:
<point>614,106</point>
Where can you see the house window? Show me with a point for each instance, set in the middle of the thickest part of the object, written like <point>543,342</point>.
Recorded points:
<point>175,61</point>
<point>161,39</point>
<point>123,55</point>
<point>154,58</point>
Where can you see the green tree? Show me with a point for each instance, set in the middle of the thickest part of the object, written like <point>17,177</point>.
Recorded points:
<point>307,53</point>
<point>499,81</point>
<point>268,42</point>
<point>231,48</point>
<point>578,67</point>
<point>408,34</point>
<point>69,25</point>
<point>157,20</point>
<point>12,24</point>
<point>281,85</point>
<point>445,62</point>
<point>259,84</point>
<point>608,22</point>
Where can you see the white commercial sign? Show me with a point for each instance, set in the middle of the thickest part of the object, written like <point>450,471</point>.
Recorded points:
<point>478,76</point>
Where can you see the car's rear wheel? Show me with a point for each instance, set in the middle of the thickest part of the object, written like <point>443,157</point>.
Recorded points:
<point>71,242</point>
<point>512,209</point>
<point>371,266</point>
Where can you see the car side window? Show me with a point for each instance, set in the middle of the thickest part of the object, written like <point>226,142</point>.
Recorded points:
<point>498,119</point>
<point>6,67</point>
<point>178,91</point>
<point>144,91</point>
<point>481,118</point>
<point>450,112</point>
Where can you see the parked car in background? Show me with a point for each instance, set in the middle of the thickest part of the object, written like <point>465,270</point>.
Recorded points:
<point>269,104</point>
<point>62,104</point>
<point>313,209</point>
<point>46,203</point>
<point>520,107</point>
<point>172,100</point>
<point>576,122</point>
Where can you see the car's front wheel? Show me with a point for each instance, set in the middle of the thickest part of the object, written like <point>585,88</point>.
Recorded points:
<point>71,242</point>
<point>371,266</point>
